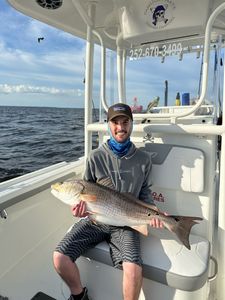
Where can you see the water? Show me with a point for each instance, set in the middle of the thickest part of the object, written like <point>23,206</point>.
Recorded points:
<point>35,137</point>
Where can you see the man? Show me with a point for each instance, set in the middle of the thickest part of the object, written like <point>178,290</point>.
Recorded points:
<point>130,171</point>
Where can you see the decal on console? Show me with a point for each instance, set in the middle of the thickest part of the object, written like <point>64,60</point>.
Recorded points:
<point>158,197</point>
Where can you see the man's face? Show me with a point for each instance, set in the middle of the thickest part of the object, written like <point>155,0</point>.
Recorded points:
<point>120,127</point>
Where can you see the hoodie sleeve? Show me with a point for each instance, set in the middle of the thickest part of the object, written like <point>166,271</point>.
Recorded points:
<point>145,193</point>
<point>89,173</point>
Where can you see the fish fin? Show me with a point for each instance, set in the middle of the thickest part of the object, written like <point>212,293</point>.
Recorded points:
<point>130,196</point>
<point>141,202</point>
<point>183,227</point>
<point>143,229</point>
<point>145,204</point>
<point>88,197</point>
<point>107,181</point>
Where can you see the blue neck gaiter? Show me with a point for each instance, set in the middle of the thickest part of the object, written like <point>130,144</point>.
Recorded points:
<point>120,149</point>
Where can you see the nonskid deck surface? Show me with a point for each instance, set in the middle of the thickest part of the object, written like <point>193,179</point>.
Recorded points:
<point>38,296</point>
<point>42,296</point>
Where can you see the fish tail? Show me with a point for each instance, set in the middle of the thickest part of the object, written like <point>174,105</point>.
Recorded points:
<point>183,227</point>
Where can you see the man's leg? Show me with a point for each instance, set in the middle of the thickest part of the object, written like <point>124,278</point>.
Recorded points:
<point>132,281</point>
<point>125,252</point>
<point>82,236</point>
<point>68,271</point>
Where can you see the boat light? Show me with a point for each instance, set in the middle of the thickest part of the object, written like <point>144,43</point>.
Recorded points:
<point>50,4</point>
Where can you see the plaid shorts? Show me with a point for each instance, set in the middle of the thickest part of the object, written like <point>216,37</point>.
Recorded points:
<point>124,242</point>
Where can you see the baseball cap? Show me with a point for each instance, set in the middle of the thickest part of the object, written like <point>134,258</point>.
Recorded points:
<point>119,109</point>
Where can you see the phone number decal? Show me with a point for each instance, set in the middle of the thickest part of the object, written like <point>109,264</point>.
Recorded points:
<point>164,50</point>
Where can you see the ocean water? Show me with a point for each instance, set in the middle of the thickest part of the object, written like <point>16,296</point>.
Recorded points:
<point>32,138</point>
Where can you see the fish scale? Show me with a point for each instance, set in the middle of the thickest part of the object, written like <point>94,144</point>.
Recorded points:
<point>120,206</point>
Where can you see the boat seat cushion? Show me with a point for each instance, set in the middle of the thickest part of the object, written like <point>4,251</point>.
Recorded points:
<point>166,260</point>
<point>187,165</point>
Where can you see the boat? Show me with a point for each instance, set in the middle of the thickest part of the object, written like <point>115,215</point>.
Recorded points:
<point>136,108</point>
<point>186,143</point>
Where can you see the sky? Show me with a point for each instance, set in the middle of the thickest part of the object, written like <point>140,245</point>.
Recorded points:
<point>51,73</point>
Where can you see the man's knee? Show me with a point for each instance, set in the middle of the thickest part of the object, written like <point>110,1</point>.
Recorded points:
<point>132,270</point>
<point>60,260</point>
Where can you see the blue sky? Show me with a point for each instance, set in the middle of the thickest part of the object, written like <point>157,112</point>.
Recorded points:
<point>51,73</point>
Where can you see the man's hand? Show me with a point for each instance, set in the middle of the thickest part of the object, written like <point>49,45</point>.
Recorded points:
<point>155,222</point>
<point>80,210</point>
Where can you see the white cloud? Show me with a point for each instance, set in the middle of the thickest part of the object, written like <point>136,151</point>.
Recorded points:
<point>55,68</point>
<point>10,57</point>
<point>22,89</point>
<point>36,28</point>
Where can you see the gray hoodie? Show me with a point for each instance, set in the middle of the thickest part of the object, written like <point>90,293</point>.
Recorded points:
<point>130,173</point>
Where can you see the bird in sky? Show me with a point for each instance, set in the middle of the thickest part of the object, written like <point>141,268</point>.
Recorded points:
<point>40,39</point>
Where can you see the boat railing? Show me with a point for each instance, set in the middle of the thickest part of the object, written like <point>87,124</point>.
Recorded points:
<point>184,129</point>
<point>16,190</point>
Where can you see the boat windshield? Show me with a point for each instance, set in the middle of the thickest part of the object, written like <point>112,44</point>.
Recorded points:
<point>160,73</point>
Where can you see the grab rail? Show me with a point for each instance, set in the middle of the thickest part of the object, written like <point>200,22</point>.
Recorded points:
<point>214,275</point>
<point>202,129</point>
